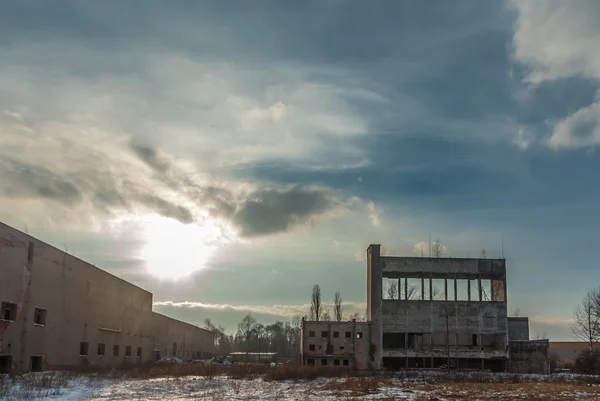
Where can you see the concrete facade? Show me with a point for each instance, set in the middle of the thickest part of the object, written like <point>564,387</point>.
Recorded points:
<point>60,311</point>
<point>336,344</point>
<point>444,310</point>
<point>518,328</point>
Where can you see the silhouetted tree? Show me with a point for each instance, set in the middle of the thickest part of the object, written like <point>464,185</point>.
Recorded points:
<point>316,303</point>
<point>437,249</point>
<point>337,307</point>
<point>586,322</point>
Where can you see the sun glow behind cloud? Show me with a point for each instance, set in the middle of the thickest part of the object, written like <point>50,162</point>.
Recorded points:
<point>173,250</point>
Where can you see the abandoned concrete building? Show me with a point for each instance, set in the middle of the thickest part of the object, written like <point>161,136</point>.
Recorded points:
<point>343,344</point>
<point>58,311</point>
<point>426,313</point>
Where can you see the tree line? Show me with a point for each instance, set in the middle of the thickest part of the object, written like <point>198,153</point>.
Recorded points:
<point>282,337</point>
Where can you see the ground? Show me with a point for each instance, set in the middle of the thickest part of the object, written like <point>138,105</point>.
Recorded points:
<point>69,387</point>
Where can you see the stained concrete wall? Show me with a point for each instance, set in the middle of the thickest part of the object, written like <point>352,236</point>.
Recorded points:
<point>82,302</point>
<point>529,356</point>
<point>518,328</point>
<point>439,328</point>
<point>336,341</point>
<point>180,339</point>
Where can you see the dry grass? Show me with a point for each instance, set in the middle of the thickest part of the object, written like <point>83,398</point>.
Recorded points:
<point>358,387</point>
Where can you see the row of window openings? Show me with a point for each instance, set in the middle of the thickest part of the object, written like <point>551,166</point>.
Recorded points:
<point>312,347</point>
<point>101,351</point>
<point>336,362</point>
<point>336,334</point>
<point>8,311</point>
<point>407,289</point>
<point>416,341</point>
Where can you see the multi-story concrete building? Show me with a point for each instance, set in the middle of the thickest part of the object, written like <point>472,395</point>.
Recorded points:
<point>445,310</point>
<point>59,311</point>
<point>429,312</point>
<point>343,344</point>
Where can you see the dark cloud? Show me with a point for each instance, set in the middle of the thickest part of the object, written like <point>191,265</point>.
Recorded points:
<point>271,211</point>
<point>165,208</point>
<point>149,156</point>
<point>262,212</point>
<point>19,179</point>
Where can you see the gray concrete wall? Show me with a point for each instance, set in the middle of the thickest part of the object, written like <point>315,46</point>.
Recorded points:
<point>191,341</point>
<point>82,303</point>
<point>439,325</point>
<point>529,357</point>
<point>331,347</point>
<point>518,328</point>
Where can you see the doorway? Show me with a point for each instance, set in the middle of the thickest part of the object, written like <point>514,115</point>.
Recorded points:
<point>36,363</point>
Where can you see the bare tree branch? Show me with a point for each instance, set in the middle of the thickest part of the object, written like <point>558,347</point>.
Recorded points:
<point>337,307</point>
<point>586,322</point>
<point>437,249</point>
<point>316,302</point>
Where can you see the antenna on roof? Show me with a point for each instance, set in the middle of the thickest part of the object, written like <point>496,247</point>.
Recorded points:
<point>26,229</point>
<point>502,256</point>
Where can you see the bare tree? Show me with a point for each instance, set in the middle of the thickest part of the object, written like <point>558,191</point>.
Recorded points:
<point>392,289</point>
<point>586,323</point>
<point>316,302</point>
<point>383,251</point>
<point>337,307</point>
<point>437,249</point>
<point>326,317</point>
<point>483,253</point>
<point>412,292</point>
<point>437,294</point>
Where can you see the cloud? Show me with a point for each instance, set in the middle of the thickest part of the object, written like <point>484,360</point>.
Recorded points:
<point>229,315</point>
<point>270,211</point>
<point>579,130</point>
<point>20,180</point>
<point>558,40</point>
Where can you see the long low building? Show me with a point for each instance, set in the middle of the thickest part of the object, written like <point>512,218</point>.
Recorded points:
<point>58,311</point>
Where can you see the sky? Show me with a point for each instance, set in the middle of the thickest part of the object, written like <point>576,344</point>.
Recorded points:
<point>227,156</point>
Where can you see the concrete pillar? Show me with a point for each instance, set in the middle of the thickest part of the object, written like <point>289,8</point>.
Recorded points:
<point>374,300</point>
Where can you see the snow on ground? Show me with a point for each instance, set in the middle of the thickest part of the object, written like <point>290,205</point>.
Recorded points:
<point>64,387</point>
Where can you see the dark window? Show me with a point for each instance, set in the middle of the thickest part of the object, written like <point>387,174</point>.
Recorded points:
<point>359,334</point>
<point>345,362</point>
<point>474,339</point>
<point>311,333</point>
<point>83,348</point>
<point>36,363</point>
<point>324,334</point>
<point>101,349</point>
<point>5,364</point>
<point>310,362</point>
<point>336,362</point>
<point>128,350</point>
<point>115,350</point>
<point>9,311</point>
<point>394,340</point>
<point>39,316</point>
<point>311,347</point>
<point>336,334</point>
<point>348,334</point>
<point>324,362</point>
<point>139,352</point>
<point>341,348</point>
